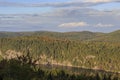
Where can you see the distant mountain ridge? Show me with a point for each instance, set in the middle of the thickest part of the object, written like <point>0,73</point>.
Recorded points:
<point>83,35</point>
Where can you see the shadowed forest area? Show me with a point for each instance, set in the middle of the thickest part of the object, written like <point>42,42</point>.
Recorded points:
<point>17,69</point>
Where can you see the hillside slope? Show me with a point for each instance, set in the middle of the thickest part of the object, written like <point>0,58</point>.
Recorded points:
<point>84,35</point>
<point>86,54</point>
<point>112,37</point>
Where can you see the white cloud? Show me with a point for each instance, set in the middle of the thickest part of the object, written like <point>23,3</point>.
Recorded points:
<point>84,24</point>
<point>103,25</point>
<point>71,3</point>
<point>68,19</point>
<point>97,1</point>
<point>73,24</point>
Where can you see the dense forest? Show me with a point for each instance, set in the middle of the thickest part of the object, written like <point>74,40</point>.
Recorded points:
<point>88,50</point>
<point>20,68</point>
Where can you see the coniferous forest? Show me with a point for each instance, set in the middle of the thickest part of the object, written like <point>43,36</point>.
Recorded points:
<point>59,56</point>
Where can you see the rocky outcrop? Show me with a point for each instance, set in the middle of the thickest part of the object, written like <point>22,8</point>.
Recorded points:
<point>10,54</point>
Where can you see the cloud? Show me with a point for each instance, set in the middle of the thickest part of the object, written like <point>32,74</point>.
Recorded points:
<point>84,24</point>
<point>67,19</point>
<point>75,3</point>
<point>48,4</point>
<point>12,4</point>
<point>73,24</point>
<point>96,1</point>
<point>103,25</point>
<point>100,1</point>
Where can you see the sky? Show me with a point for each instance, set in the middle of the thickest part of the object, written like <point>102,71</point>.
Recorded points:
<point>60,15</point>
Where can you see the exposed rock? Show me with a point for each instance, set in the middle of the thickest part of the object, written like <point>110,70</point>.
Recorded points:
<point>96,68</point>
<point>90,57</point>
<point>10,54</point>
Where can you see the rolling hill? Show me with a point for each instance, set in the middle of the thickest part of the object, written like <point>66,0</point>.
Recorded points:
<point>91,50</point>
<point>84,35</point>
<point>112,37</point>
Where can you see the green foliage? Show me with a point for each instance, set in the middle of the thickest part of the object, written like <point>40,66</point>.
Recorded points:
<point>15,70</point>
<point>79,49</point>
<point>88,54</point>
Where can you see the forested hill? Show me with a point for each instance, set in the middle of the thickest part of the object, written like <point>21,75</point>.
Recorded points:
<point>84,49</point>
<point>84,35</point>
<point>113,37</point>
<point>103,55</point>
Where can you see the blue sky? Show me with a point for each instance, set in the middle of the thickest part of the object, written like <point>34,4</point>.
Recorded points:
<point>23,10</point>
<point>108,6</point>
<point>31,1</point>
<point>60,15</point>
<point>25,1</point>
